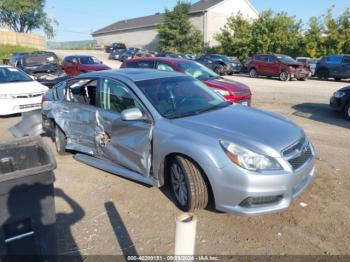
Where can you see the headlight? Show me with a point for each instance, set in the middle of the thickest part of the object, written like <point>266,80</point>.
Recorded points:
<point>222,92</point>
<point>5,96</point>
<point>339,94</point>
<point>248,159</point>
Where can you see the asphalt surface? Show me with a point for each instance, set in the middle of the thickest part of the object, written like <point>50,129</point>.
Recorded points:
<point>101,213</point>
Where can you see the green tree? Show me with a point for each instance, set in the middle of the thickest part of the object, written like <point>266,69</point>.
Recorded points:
<point>276,33</point>
<point>26,16</point>
<point>314,38</point>
<point>236,37</point>
<point>344,32</point>
<point>177,34</point>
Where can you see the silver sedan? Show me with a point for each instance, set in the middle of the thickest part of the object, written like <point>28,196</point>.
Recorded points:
<point>163,128</point>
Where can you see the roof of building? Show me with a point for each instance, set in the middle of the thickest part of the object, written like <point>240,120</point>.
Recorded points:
<point>152,20</point>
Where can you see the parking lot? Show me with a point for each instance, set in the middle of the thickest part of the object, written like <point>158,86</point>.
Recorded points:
<point>100,213</point>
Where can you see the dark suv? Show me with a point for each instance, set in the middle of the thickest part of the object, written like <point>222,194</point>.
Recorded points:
<point>335,66</point>
<point>43,66</point>
<point>275,65</point>
<point>221,64</point>
<point>115,46</point>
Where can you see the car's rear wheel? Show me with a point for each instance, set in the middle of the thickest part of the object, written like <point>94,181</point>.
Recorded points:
<point>337,79</point>
<point>253,73</point>
<point>187,184</point>
<point>323,74</point>
<point>284,76</point>
<point>220,70</point>
<point>60,141</point>
<point>347,111</point>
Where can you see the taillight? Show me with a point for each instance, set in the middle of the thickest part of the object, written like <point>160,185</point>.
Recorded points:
<point>42,99</point>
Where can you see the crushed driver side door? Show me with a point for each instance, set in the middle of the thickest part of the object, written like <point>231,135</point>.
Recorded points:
<point>126,143</point>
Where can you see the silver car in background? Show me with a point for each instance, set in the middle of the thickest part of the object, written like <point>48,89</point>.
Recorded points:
<point>163,128</point>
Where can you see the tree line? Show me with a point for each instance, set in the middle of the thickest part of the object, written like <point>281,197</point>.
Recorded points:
<point>270,33</point>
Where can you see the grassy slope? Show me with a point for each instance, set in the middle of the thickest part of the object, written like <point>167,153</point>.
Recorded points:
<point>7,50</point>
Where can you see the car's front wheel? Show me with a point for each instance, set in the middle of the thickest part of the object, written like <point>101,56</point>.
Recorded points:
<point>347,111</point>
<point>253,73</point>
<point>60,141</point>
<point>220,70</point>
<point>187,184</point>
<point>284,76</point>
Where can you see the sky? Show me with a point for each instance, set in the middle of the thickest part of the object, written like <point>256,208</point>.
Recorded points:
<point>78,18</point>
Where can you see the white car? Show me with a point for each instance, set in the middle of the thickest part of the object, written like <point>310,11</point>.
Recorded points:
<point>18,91</point>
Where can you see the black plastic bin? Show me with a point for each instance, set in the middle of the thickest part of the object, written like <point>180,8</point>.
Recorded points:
<point>27,207</point>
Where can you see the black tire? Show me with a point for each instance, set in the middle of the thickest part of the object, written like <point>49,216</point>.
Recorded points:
<point>220,70</point>
<point>323,74</point>
<point>337,79</point>
<point>60,141</point>
<point>304,78</point>
<point>347,111</point>
<point>253,73</point>
<point>284,76</point>
<point>196,195</point>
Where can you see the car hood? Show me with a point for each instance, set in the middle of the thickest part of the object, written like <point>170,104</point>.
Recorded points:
<point>227,84</point>
<point>295,64</point>
<point>260,131</point>
<point>97,67</point>
<point>22,88</point>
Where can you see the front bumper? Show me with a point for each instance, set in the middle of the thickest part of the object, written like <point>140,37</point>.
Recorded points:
<point>232,186</point>
<point>337,104</point>
<point>16,106</point>
<point>300,73</point>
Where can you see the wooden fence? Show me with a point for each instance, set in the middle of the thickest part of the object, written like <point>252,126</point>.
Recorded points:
<point>23,39</point>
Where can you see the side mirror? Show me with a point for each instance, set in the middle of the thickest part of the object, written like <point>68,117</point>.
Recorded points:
<point>131,114</point>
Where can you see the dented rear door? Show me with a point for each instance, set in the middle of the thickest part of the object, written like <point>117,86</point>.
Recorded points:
<point>127,143</point>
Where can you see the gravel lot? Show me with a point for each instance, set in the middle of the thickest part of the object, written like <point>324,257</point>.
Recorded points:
<point>99,213</point>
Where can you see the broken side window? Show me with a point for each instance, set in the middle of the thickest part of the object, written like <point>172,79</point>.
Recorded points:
<point>83,92</point>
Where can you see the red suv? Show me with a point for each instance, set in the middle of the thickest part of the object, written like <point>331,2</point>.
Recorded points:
<point>275,65</point>
<point>232,91</point>
<point>76,65</point>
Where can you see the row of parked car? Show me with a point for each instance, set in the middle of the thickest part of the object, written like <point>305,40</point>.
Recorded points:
<point>271,65</point>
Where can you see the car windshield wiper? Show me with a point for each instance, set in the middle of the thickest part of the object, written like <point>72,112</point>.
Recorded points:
<point>201,111</point>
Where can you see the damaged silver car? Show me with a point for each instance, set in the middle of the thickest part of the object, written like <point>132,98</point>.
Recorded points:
<point>167,128</point>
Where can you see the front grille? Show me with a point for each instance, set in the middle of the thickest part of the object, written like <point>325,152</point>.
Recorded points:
<point>29,106</point>
<point>299,161</point>
<point>23,96</point>
<point>298,154</point>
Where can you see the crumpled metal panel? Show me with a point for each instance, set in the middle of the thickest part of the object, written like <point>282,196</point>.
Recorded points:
<point>31,125</point>
<point>128,142</point>
<point>71,120</point>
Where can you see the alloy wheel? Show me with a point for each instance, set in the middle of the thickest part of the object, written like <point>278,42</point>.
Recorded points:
<point>178,182</point>
<point>284,76</point>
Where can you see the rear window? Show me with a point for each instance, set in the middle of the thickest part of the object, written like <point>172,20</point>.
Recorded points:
<point>39,59</point>
<point>140,64</point>
<point>346,60</point>
<point>335,59</point>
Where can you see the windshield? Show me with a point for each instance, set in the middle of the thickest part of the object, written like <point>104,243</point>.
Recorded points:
<point>196,70</point>
<point>178,97</point>
<point>9,75</point>
<point>40,59</point>
<point>89,60</point>
<point>286,59</point>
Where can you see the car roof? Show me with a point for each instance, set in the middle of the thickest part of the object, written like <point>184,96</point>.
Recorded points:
<point>161,59</point>
<point>134,74</point>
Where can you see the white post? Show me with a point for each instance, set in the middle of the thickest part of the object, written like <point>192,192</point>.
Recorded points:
<point>185,235</point>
